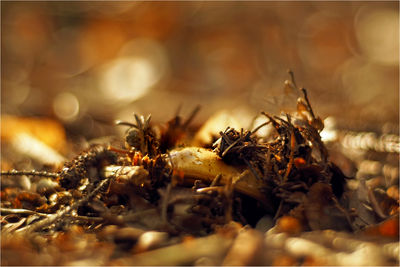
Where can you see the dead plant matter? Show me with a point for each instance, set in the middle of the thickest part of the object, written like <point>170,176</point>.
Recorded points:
<point>155,186</point>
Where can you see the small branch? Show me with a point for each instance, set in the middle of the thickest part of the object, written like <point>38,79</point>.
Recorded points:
<point>259,127</point>
<point>291,156</point>
<point>346,214</point>
<point>62,212</point>
<point>191,117</point>
<point>375,204</point>
<point>308,103</point>
<point>85,218</point>
<point>4,211</point>
<point>30,173</point>
<point>292,78</point>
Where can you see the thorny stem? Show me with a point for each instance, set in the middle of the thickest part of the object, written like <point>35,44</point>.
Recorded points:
<point>30,173</point>
<point>43,223</point>
<point>4,211</point>
<point>62,212</point>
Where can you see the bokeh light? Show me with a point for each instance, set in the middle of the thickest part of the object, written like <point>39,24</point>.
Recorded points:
<point>141,64</point>
<point>113,58</point>
<point>66,106</point>
<point>377,32</point>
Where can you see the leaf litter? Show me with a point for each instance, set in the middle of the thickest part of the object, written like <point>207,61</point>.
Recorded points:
<point>156,201</point>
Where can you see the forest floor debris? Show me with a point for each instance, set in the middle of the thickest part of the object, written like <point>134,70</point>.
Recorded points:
<point>157,202</point>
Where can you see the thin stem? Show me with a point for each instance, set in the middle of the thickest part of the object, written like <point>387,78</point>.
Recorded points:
<point>308,103</point>
<point>30,173</point>
<point>291,156</point>
<point>230,147</point>
<point>22,212</point>
<point>124,123</point>
<point>259,127</point>
<point>192,115</point>
<point>62,212</point>
<point>292,78</point>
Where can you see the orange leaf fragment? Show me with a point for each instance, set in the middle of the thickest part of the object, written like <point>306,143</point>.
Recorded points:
<point>300,162</point>
<point>290,225</point>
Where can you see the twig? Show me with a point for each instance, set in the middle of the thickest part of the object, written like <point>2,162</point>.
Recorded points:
<point>225,137</point>
<point>85,218</point>
<point>309,108</point>
<point>210,189</point>
<point>30,173</point>
<point>375,204</point>
<point>259,127</point>
<point>292,78</point>
<point>253,171</point>
<point>346,214</point>
<point>216,180</point>
<point>274,122</point>
<point>62,212</point>
<point>291,156</point>
<point>22,212</point>
<point>192,115</point>
<point>124,123</point>
<point>230,146</point>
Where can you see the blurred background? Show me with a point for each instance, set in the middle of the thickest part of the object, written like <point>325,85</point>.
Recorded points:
<point>86,64</point>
